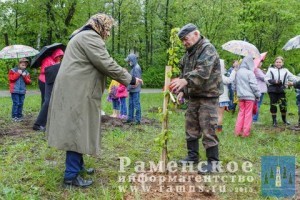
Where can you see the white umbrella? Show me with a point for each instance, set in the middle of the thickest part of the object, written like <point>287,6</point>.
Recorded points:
<point>17,51</point>
<point>241,48</point>
<point>293,43</point>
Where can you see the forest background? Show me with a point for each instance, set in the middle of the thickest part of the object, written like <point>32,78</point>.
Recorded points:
<point>144,26</point>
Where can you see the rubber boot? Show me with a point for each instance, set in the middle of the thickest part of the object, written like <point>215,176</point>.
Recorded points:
<point>274,120</point>
<point>212,155</point>
<point>193,152</point>
<point>283,116</point>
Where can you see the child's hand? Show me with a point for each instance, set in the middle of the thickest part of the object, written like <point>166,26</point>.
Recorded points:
<point>20,71</point>
<point>24,73</point>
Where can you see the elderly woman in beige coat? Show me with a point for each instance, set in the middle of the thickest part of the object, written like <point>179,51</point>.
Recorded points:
<point>74,112</point>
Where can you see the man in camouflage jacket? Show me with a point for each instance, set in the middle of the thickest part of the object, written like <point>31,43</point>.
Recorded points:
<point>201,83</point>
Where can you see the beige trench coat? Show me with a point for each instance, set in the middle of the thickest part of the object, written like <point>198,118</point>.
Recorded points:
<point>74,112</point>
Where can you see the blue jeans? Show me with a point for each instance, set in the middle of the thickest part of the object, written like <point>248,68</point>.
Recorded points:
<point>123,110</point>
<point>134,104</point>
<point>255,117</point>
<point>17,107</point>
<point>74,164</point>
<point>116,104</point>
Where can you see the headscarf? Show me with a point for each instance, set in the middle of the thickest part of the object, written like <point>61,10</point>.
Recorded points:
<point>101,23</point>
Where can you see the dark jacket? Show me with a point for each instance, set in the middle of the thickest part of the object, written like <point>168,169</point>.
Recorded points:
<point>51,73</point>
<point>18,82</point>
<point>200,66</point>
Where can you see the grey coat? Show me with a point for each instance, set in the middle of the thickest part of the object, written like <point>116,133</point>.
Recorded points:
<point>245,81</point>
<point>74,112</point>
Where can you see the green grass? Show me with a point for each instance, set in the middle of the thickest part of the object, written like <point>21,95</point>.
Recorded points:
<point>29,169</point>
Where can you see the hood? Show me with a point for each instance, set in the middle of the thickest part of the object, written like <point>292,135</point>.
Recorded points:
<point>56,53</point>
<point>247,63</point>
<point>132,58</point>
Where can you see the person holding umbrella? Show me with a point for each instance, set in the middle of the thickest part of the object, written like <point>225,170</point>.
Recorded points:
<point>262,86</point>
<point>74,117</point>
<point>50,74</point>
<point>44,60</point>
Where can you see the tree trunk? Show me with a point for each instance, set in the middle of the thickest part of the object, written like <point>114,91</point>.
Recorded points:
<point>6,39</point>
<point>166,22</point>
<point>119,26</point>
<point>146,34</point>
<point>113,30</point>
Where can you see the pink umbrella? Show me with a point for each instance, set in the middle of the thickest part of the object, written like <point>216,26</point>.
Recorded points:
<point>258,60</point>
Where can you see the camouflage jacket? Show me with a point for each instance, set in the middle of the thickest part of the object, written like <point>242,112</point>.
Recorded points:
<point>200,66</point>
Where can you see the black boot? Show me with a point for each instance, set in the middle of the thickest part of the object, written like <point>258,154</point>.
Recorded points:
<point>78,181</point>
<point>193,152</point>
<point>274,121</point>
<point>212,155</point>
<point>283,116</point>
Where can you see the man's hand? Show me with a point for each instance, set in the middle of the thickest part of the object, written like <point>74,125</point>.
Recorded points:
<point>178,84</point>
<point>179,98</point>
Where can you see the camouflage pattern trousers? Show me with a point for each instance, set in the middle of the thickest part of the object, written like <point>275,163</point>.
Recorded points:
<point>201,120</point>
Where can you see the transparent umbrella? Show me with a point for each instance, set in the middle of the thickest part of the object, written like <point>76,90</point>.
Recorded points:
<point>293,43</point>
<point>241,48</point>
<point>17,51</point>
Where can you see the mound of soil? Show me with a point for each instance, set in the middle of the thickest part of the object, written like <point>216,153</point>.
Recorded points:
<point>108,122</point>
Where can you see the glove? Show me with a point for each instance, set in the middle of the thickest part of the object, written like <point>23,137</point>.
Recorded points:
<point>272,81</point>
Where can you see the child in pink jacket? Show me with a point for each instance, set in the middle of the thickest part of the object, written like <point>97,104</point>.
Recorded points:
<point>247,92</point>
<point>122,94</point>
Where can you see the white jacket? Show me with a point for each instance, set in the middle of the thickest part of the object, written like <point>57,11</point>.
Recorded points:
<point>226,81</point>
<point>282,74</point>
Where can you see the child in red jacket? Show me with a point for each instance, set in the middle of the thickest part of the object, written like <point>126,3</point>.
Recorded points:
<point>18,79</point>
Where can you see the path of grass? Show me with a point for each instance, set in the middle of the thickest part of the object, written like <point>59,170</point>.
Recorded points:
<point>29,169</point>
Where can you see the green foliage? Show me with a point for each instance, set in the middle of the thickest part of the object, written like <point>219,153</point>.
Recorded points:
<point>153,77</point>
<point>174,52</point>
<point>144,27</point>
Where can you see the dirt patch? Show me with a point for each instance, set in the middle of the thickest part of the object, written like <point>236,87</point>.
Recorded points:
<point>108,122</point>
<point>10,128</point>
<point>175,186</point>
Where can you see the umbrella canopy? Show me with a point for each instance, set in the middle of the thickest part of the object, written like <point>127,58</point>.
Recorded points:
<point>17,51</point>
<point>46,51</point>
<point>241,48</point>
<point>258,60</point>
<point>293,43</point>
